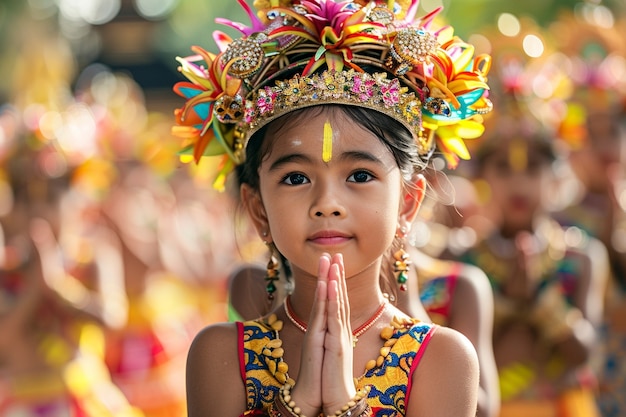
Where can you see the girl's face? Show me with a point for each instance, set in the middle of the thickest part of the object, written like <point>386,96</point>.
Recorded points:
<point>313,201</point>
<point>516,175</point>
<point>605,148</point>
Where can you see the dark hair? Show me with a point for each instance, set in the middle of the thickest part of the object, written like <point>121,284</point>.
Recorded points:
<point>512,124</point>
<point>390,132</point>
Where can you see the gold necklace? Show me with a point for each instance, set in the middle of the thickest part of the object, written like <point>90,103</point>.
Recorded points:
<point>301,325</point>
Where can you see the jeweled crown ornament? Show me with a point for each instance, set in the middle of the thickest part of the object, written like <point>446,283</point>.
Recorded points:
<point>303,53</point>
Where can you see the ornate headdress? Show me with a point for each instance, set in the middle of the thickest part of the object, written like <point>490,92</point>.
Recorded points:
<point>303,53</point>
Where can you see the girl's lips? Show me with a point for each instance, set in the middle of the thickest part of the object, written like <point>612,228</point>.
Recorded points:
<point>328,237</point>
<point>329,241</point>
<point>518,203</point>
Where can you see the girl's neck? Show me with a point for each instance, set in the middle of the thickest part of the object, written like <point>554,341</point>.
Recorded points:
<point>510,230</point>
<point>364,293</point>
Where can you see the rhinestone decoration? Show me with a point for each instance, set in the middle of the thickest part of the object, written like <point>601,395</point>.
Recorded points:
<point>245,56</point>
<point>277,21</point>
<point>409,48</point>
<point>437,106</point>
<point>228,109</point>
<point>381,15</point>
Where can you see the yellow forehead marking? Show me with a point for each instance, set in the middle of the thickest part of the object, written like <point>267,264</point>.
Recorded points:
<point>518,155</point>
<point>327,145</point>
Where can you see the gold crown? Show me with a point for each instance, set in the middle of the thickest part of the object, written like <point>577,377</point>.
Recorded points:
<point>304,53</point>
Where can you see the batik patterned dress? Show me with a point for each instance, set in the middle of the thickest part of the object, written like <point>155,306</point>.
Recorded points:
<point>390,383</point>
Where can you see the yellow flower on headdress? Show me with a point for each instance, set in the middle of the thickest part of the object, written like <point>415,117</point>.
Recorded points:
<point>458,78</point>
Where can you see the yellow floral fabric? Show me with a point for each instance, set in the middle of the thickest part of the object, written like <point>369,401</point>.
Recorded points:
<point>390,382</point>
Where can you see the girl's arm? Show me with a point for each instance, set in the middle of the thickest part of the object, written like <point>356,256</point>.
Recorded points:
<point>445,382</point>
<point>472,314</point>
<point>214,383</point>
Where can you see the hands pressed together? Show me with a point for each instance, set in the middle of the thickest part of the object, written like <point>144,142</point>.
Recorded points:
<point>325,380</point>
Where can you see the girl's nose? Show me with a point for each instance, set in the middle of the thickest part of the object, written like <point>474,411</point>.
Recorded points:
<point>327,203</point>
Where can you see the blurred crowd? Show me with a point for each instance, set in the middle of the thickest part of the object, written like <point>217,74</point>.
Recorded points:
<point>116,251</point>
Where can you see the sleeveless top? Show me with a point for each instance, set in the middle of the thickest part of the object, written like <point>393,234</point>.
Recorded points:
<point>390,382</point>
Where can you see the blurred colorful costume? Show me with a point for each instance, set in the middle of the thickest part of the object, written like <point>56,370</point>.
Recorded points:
<point>437,297</point>
<point>593,131</point>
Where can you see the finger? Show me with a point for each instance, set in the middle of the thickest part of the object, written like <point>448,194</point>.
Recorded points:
<point>340,277</point>
<point>524,244</point>
<point>335,315</point>
<point>45,242</point>
<point>323,267</point>
<point>344,287</point>
<point>317,318</point>
<point>318,313</point>
<point>338,308</point>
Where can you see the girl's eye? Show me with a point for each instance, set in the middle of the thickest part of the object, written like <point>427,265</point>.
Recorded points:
<point>295,179</point>
<point>360,176</point>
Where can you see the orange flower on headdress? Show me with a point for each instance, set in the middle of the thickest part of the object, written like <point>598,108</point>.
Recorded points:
<point>206,87</point>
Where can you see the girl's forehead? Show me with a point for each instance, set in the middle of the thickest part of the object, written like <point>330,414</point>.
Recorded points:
<point>326,132</point>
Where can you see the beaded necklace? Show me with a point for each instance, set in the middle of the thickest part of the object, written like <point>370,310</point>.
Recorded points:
<point>274,350</point>
<point>355,334</point>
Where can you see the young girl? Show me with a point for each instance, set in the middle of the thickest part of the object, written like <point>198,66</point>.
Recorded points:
<point>547,281</point>
<point>324,107</point>
<point>448,293</point>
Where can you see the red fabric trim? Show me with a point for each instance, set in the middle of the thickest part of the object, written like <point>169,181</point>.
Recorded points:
<point>416,361</point>
<point>451,284</point>
<point>242,364</point>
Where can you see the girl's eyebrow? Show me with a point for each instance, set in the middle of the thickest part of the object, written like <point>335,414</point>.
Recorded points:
<point>360,156</point>
<point>289,159</point>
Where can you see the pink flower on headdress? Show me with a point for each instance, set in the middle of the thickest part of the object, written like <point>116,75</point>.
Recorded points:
<point>265,101</point>
<point>257,24</point>
<point>391,92</point>
<point>335,27</point>
<point>249,112</point>
<point>363,87</point>
<point>327,13</point>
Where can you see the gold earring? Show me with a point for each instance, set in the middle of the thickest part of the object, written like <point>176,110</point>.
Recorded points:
<point>402,262</point>
<point>272,274</point>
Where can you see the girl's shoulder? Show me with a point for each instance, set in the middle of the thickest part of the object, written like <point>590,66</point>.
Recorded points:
<point>214,341</point>
<point>447,343</point>
<point>212,364</point>
<point>450,361</point>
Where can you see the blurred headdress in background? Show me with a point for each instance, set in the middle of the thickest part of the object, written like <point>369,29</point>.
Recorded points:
<point>592,53</point>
